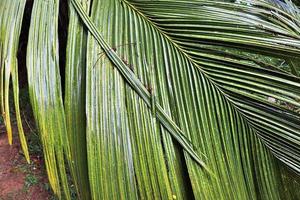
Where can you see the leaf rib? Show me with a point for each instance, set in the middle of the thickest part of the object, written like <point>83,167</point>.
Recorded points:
<point>131,78</point>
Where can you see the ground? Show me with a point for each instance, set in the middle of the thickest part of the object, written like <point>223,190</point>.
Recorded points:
<point>19,180</point>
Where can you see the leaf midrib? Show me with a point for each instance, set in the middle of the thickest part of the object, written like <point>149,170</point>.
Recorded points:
<point>191,60</point>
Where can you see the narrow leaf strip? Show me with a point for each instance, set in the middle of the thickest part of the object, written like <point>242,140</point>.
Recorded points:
<point>11,15</point>
<point>15,83</point>
<point>75,94</point>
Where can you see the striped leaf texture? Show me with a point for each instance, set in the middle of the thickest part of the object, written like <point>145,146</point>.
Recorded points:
<point>11,15</point>
<point>165,99</point>
<point>219,102</point>
<point>45,92</point>
<point>75,83</point>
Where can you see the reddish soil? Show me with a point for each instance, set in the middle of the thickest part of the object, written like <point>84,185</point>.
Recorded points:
<point>19,180</point>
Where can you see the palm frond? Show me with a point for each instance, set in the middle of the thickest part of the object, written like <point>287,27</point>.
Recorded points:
<point>45,92</point>
<point>147,25</point>
<point>75,100</point>
<point>11,15</point>
<point>163,99</point>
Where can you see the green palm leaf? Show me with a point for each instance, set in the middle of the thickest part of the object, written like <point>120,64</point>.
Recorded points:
<point>45,92</point>
<point>10,28</point>
<point>75,101</point>
<point>222,88</point>
<point>165,99</point>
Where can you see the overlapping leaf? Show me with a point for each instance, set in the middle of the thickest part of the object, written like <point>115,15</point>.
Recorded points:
<point>152,92</point>
<point>207,110</point>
